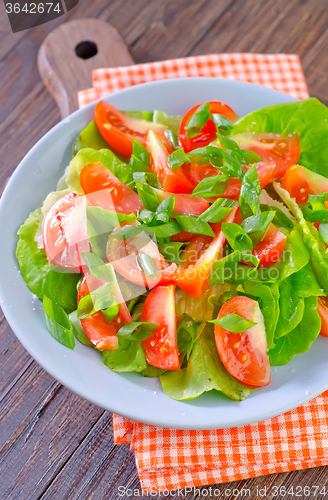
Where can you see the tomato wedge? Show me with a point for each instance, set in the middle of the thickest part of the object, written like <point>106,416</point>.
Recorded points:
<point>175,181</point>
<point>195,249</point>
<point>123,254</point>
<point>65,233</point>
<point>194,279</point>
<point>323,313</point>
<point>102,333</point>
<point>208,132</point>
<point>244,354</point>
<point>184,203</point>
<point>182,236</point>
<point>266,171</point>
<point>270,248</point>
<point>300,182</point>
<point>95,178</point>
<point>161,348</point>
<point>283,150</point>
<point>118,129</point>
<point>199,172</point>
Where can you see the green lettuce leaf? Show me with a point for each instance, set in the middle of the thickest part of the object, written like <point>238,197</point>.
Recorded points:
<point>309,118</point>
<point>128,358</point>
<point>90,137</point>
<point>87,155</point>
<point>301,338</point>
<point>291,310</point>
<point>315,246</point>
<point>198,309</point>
<point>304,283</point>
<point>294,257</point>
<point>171,122</point>
<point>32,260</point>
<point>203,373</point>
<point>41,278</point>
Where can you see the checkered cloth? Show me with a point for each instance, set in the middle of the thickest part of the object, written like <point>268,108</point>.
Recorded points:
<point>168,458</point>
<point>281,72</point>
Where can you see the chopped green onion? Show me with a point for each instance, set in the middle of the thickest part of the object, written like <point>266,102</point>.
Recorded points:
<point>97,267</point>
<point>137,330</point>
<point>176,159</point>
<point>222,123</point>
<point>57,323</point>
<point>217,211</point>
<point>256,225</point>
<point>111,311</point>
<point>147,265</point>
<point>173,139</point>
<point>237,238</point>
<point>192,224</point>
<point>197,121</point>
<point>211,186</point>
<point>233,323</point>
<point>148,196</point>
<point>250,190</point>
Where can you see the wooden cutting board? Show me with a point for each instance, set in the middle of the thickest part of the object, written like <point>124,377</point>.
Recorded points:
<point>70,53</point>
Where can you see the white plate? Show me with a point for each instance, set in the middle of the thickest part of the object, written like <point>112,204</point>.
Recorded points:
<point>82,370</point>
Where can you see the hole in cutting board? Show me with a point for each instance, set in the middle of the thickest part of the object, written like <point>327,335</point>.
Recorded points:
<point>86,49</point>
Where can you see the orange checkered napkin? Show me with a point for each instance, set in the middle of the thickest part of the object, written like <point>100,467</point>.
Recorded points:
<point>281,72</point>
<point>168,458</point>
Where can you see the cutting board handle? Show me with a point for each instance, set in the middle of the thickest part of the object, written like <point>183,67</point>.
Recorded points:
<point>70,53</point>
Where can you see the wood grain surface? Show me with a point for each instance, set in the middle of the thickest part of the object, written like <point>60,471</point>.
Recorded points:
<point>53,444</point>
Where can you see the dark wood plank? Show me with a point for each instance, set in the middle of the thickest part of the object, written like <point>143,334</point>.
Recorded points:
<point>53,444</point>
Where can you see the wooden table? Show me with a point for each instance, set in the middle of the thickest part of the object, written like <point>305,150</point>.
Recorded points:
<point>54,444</point>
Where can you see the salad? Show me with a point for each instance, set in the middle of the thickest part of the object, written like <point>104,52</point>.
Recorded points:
<point>193,249</point>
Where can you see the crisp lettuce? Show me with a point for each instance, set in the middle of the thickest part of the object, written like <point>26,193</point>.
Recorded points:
<point>293,258</point>
<point>300,339</point>
<point>171,122</point>
<point>304,283</point>
<point>40,277</point>
<point>291,308</point>
<point>198,309</point>
<point>315,247</point>
<point>90,137</point>
<point>309,118</point>
<point>128,358</point>
<point>204,372</point>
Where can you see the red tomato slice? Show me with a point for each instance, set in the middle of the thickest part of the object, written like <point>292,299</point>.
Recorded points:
<point>118,129</point>
<point>124,257</point>
<point>194,279</point>
<point>161,348</point>
<point>183,236</point>
<point>195,249</point>
<point>174,181</point>
<point>300,182</point>
<point>244,354</point>
<point>323,313</point>
<point>270,248</point>
<point>101,332</point>
<point>184,203</point>
<point>95,177</point>
<point>65,233</point>
<point>199,172</point>
<point>208,132</point>
<point>283,150</point>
